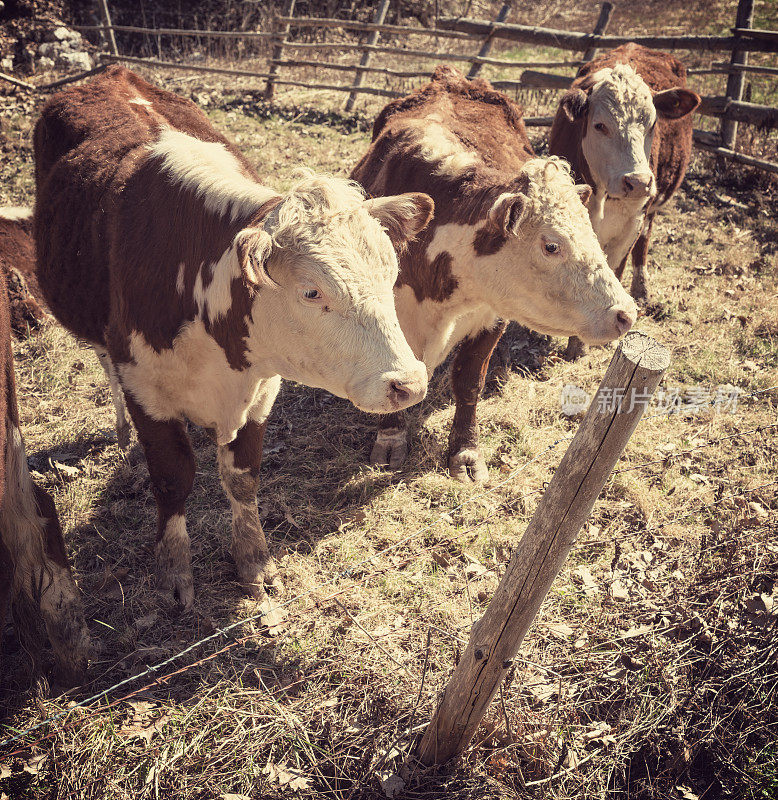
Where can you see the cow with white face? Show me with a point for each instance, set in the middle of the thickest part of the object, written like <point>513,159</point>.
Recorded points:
<point>157,243</point>
<point>511,240</point>
<point>625,127</point>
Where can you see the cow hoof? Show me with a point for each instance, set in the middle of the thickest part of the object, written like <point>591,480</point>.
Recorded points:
<point>390,448</point>
<point>468,466</point>
<point>258,578</point>
<point>180,584</point>
<point>575,349</point>
<point>123,435</point>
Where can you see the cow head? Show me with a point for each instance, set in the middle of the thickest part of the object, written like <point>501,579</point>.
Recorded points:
<point>547,269</point>
<point>620,112</point>
<point>324,266</point>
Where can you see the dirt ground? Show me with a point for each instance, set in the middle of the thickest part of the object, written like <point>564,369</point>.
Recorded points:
<point>650,671</point>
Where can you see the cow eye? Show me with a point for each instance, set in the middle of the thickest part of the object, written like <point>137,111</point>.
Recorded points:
<point>552,248</point>
<point>600,127</point>
<point>312,294</point>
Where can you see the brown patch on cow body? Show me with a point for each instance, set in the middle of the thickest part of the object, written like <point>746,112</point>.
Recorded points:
<point>112,229</point>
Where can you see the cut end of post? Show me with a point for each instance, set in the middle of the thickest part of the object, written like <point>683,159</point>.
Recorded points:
<point>644,351</point>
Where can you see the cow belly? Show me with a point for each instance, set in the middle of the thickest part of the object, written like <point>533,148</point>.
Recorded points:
<point>193,379</point>
<point>434,329</point>
<point>618,229</point>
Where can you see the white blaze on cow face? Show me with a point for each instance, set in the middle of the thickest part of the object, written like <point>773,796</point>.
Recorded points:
<point>324,311</point>
<point>551,273</point>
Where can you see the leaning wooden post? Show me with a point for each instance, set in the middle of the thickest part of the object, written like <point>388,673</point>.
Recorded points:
<point>736,78</point>
<point>606,9</point>
<point>108,27</point>
<point>621,399</point>
<point>372,40</point>
<point>475,68</point>
<point>281,32</point>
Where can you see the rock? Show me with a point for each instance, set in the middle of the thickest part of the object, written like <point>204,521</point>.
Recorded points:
<point>78,60</point>
<point>7,64</point>
<point>48,50</point>
<point>44,64</point>
<point>62,34</point>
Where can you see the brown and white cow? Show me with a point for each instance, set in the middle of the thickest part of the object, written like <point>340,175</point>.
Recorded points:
<point>625,127</point>
<point>156,241</point>
<point>511,240</point>
<point>34,571</point>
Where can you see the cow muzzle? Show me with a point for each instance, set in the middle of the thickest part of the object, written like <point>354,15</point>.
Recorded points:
<point>391,391</point>
<point>635,186</point>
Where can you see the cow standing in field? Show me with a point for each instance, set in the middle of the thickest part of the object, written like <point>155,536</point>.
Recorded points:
<point>34,570</point>
<point>625,126</point>
<point>156,241</point>
<point>511,240</point>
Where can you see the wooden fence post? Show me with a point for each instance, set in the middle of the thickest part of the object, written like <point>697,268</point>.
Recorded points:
<point>621,399</point>
<point>606,9</point>
<point>735,80</point>
<point>108,27</point>
<point>372,40</point>
<point>282,31</point>
<point>475,68</point>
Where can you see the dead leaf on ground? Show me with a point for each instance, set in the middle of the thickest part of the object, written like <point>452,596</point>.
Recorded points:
<point>233,796</point>
<point>141,725</point>
<point>391,783</point>
<point>286,776</point>
<point>147,621</point>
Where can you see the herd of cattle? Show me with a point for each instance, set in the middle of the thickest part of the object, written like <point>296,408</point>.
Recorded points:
<point>200,288</point>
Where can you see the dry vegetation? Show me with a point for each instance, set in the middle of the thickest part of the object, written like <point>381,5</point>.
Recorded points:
<point>651,669</point>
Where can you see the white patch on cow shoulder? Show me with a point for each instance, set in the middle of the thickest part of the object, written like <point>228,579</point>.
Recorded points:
<point>193,379</point>
<point>15,213</point>
<point>211,172</point>
<point>140,101</point>
<point>440,147</point>
<point>215,301</point>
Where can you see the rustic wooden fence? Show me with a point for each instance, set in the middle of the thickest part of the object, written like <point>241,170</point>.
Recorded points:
<point>286,56</point>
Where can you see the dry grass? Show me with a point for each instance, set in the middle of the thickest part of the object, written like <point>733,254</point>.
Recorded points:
<point>650,670</point>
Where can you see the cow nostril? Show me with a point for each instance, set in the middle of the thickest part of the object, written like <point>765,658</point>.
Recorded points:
<point>624,321</point>
<point>628,187</point>
<point>400,392</point>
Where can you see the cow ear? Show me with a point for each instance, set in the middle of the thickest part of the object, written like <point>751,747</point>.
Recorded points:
<point>508,212</point>
<point>574,103</point>
<point>584,192</point>
<point>254,246</point>
<point>403,216</point>
<point>675,103</point>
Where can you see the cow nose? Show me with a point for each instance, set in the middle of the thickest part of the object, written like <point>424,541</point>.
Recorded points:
<point>625,319</point>
<point>637,184</point>
<point>407,391</point>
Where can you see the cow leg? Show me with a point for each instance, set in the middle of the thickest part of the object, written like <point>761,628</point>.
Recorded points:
<point>391,442</point>
<point>239,463</point>
<point>467,379</point>
<point>575,349</point>
<point>171,465</point>
<point>117,395</point>
<point>639,257</point>
<point>33,542</point>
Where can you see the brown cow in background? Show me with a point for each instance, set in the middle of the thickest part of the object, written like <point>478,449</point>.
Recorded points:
<point>625,126</point>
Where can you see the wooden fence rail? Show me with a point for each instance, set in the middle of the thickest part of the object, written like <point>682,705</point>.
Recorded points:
<point>567,40</point>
